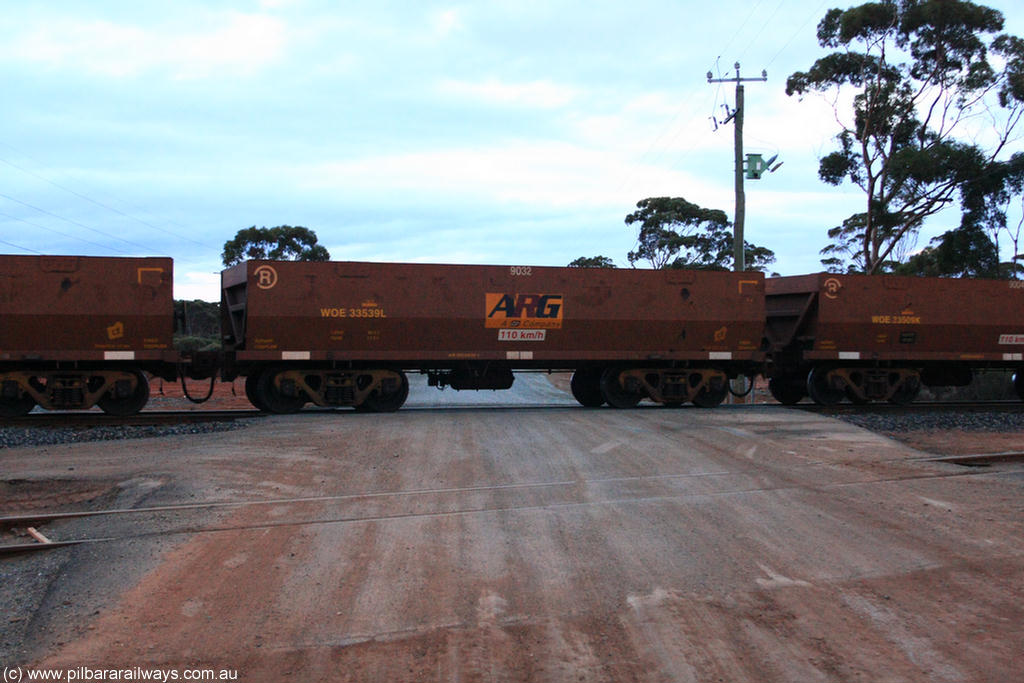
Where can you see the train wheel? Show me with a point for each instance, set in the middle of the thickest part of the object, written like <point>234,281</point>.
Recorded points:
<point>853,398</point>
<point>389,402</point>
<point>820,388</point>
<point>1018,382</point>
<point>586,387</point>
<point>787,390</point>
<point>130,403</point>
<point>614,393</point>
<point>712,394</point>
<point>252,392</point>
<point>907,391</point>
<point>271,397</point>
<point>16,406</point>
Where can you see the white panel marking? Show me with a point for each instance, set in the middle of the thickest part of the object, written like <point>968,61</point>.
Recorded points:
<point>521,335</point>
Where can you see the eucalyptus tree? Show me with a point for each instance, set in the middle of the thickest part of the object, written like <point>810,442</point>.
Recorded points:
<point>676,233</point>
<point>284,242</point>
<point>927,95</point>
<point>592,262</point>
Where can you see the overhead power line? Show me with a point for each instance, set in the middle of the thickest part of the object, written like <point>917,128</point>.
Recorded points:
<point>18,246</point>
<point>764,25</point>
<point>740,29</point>
<point>62,234</point>
<point>99,203</point>
<point>799,30</point>
<point>108,235</point>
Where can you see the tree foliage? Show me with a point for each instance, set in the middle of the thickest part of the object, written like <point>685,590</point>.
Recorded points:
<point>675,233</point>
<point>197,325</point>
<point>925,76</point>
<point>283,243</point>
<point>592,262</point>
<point>986,201</point>
<point>964,252</point>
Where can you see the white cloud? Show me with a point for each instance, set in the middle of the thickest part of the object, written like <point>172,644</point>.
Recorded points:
<point>247,42</point>
<point>445,22</point>
<point>234,43</point>
<point>192,285</point>
<point>542,174</point>
<point>540,94</point>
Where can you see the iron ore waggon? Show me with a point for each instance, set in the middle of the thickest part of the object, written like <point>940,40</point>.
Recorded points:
<point>882,337</point>
<point>346,333</point>
<point>78,331</point>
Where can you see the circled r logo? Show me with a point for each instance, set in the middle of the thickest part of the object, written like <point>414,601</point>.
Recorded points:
<point>832,287</point>
<point>266,277</point>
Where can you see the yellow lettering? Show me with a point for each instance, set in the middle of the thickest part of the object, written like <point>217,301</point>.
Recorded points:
<point>896,319</point>
<point>366,312</point>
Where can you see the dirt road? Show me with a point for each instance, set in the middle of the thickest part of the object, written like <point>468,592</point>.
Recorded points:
<point>532,543</point>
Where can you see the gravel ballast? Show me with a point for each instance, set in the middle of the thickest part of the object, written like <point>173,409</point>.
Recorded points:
<point>19,437</point>
<point>882,422</point>
<point>920,420</point>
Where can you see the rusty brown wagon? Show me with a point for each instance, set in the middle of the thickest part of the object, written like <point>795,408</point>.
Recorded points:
<point>882,337</point>
<point>78,331</point>
<point>346,334</point>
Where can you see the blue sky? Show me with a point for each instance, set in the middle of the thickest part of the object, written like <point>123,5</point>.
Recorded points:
<point>484,132</point>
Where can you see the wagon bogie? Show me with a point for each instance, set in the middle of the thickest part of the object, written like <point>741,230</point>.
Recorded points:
<point>621,389</point>
<point>713,390</point>
<point>905,390</point>
<point>388,394</point>
<point>119,392</point>
<point>280,391</point>
<point>285,389</point>
<point>703,386</point>
<point>824,386</point>
<point>14,400</point>
<point>829,385</point>
<point>126,394</point>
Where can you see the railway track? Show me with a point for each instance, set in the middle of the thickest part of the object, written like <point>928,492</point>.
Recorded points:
<point>159,417</point>
<point>1007,406</point>
<point>563,494</point>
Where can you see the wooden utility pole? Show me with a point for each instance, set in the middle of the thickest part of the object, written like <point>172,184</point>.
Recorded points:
<point>737,245</point>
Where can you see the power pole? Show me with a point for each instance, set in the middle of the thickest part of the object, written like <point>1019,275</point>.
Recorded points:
<point>738,255</point>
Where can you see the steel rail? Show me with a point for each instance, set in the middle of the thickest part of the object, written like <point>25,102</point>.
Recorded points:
<point>29,547</point>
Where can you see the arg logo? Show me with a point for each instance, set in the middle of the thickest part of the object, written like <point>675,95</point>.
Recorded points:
<point>524,311</point>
